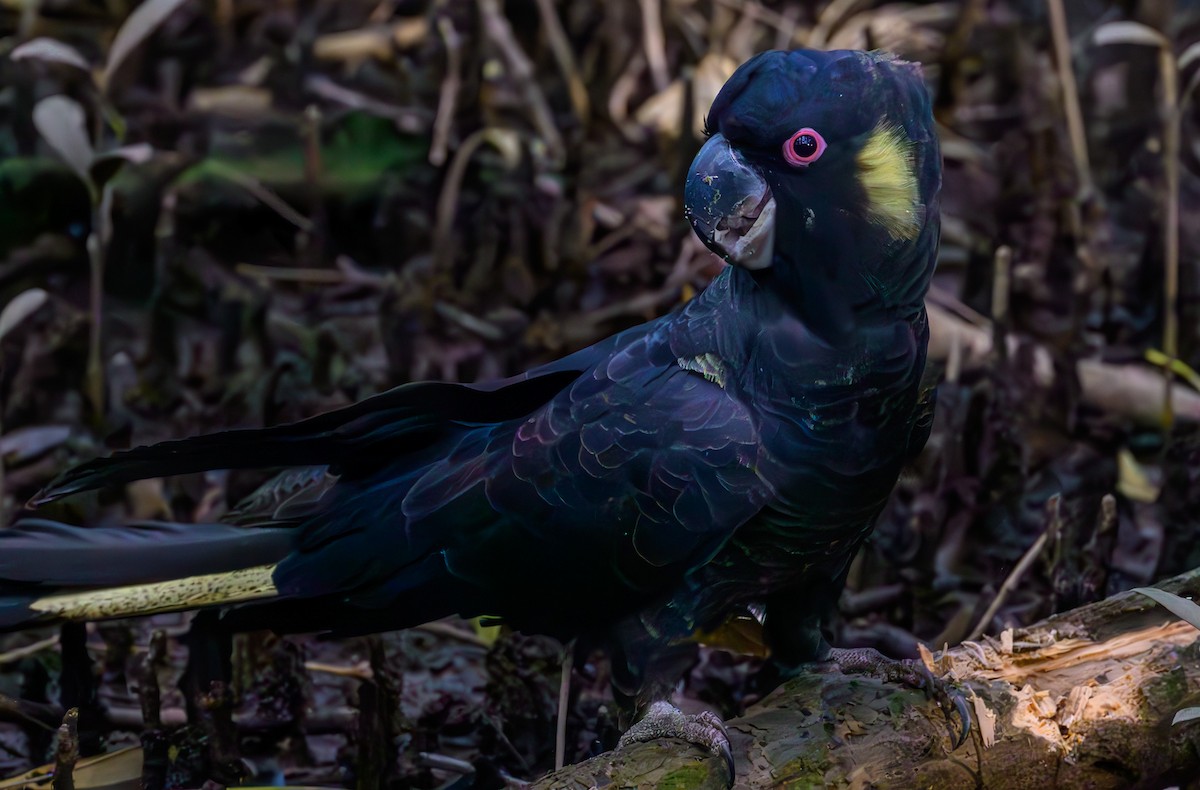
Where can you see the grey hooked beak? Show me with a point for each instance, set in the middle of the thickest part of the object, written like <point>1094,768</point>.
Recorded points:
<point>730,205</point>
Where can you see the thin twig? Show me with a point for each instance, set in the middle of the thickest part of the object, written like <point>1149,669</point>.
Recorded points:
<point>1015,575</point>
<point>944,299</point>
<point>472,323</point>
<point>654,42</point>
<point>17,653</point>
<point>39,714</point>
<point>443,122</point>
<point>564,700</point>
<point>500,32</point>
<point>1002,265</point>
<point>830,19</point>
<point>314,172</point>
<point>443,249</point>
<point>359,671</point>
<point>442,762</point>
<point>262,194</point>
<point>565,57</point>
<point>785,25</point>
<point>66,753</point>
<point>155,752</point>
<point>295,275</point>
<point>1070,97</point>
<point>623,88</point>
<point>408,119</point>
<point>1170,79</point>
<point>453,632</point>
<point>97,248</point>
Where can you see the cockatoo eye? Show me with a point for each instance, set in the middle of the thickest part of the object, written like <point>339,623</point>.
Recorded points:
<point>804,147</point>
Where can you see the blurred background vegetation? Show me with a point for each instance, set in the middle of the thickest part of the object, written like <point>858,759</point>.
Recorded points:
<point>217,214</point>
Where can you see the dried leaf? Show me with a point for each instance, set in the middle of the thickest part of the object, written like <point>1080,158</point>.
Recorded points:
<point>1129,33</point>
<point>61,121</point>
<point>21,307</point>
<point>1178,366</point>
<point>1187,714</point>
<point>24,443</point>
<point>50,50</point>
<point>664,110</point>
<point>1182,608</point>
<point>508,143</point>
<point>1188,55</point>
<point>238,101</point>
<point>137,28</point>
<point>354,46</point>
<point>410,32</point>
<point>739,634</point>
<point>106,165</point>
<point>711,74</point>
<point>1133,480</point>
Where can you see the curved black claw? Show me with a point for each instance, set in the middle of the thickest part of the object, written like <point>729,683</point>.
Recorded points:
<point>964,717</point>
<point>664,720</point>
<point>911,673</point>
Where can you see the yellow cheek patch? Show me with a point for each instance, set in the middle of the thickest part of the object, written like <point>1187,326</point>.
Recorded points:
<point>886,171</point>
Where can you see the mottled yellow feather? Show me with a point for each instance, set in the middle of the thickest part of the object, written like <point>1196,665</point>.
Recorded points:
<point>248,584</point>
<point>886,171</point>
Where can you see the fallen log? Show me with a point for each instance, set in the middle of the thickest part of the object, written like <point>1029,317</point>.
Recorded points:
<point>1082,699</point>
<point>1134,391</point>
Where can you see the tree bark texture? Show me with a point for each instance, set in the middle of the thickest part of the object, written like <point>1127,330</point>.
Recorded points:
<point>1080,700</point>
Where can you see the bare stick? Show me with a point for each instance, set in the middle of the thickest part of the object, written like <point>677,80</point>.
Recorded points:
<point>17,653</point>
<point>1002,262</point>
<point>1170,79</point>
<point>1066,77</point>
<point>564,699</point>
<point>1053,522</point>
<point>561,47</point>
<point>519,67</point>
<point>443,122</point>
<point>443,250</point>
<point>66,753</point>
<point>653,40</point>
<point>263,195</point>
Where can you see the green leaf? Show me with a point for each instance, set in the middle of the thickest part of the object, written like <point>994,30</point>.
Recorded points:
<point>1182,608</point>
<point>355,158</point>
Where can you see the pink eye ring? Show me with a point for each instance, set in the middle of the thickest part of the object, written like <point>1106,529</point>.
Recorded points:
<point>804,147</point>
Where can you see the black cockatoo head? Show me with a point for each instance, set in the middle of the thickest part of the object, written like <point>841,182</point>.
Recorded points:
<point>821,176</point>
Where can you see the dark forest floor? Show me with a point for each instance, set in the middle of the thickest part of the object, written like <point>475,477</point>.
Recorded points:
<point>293,205</point>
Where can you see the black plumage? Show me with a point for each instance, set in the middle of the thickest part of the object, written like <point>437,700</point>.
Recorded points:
<point>736,450</point>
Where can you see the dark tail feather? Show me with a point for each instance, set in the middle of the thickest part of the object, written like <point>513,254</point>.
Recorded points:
<point>51,571</point>
<point>376,428</point>
<point>307,443</point>
<point>44,552</point>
